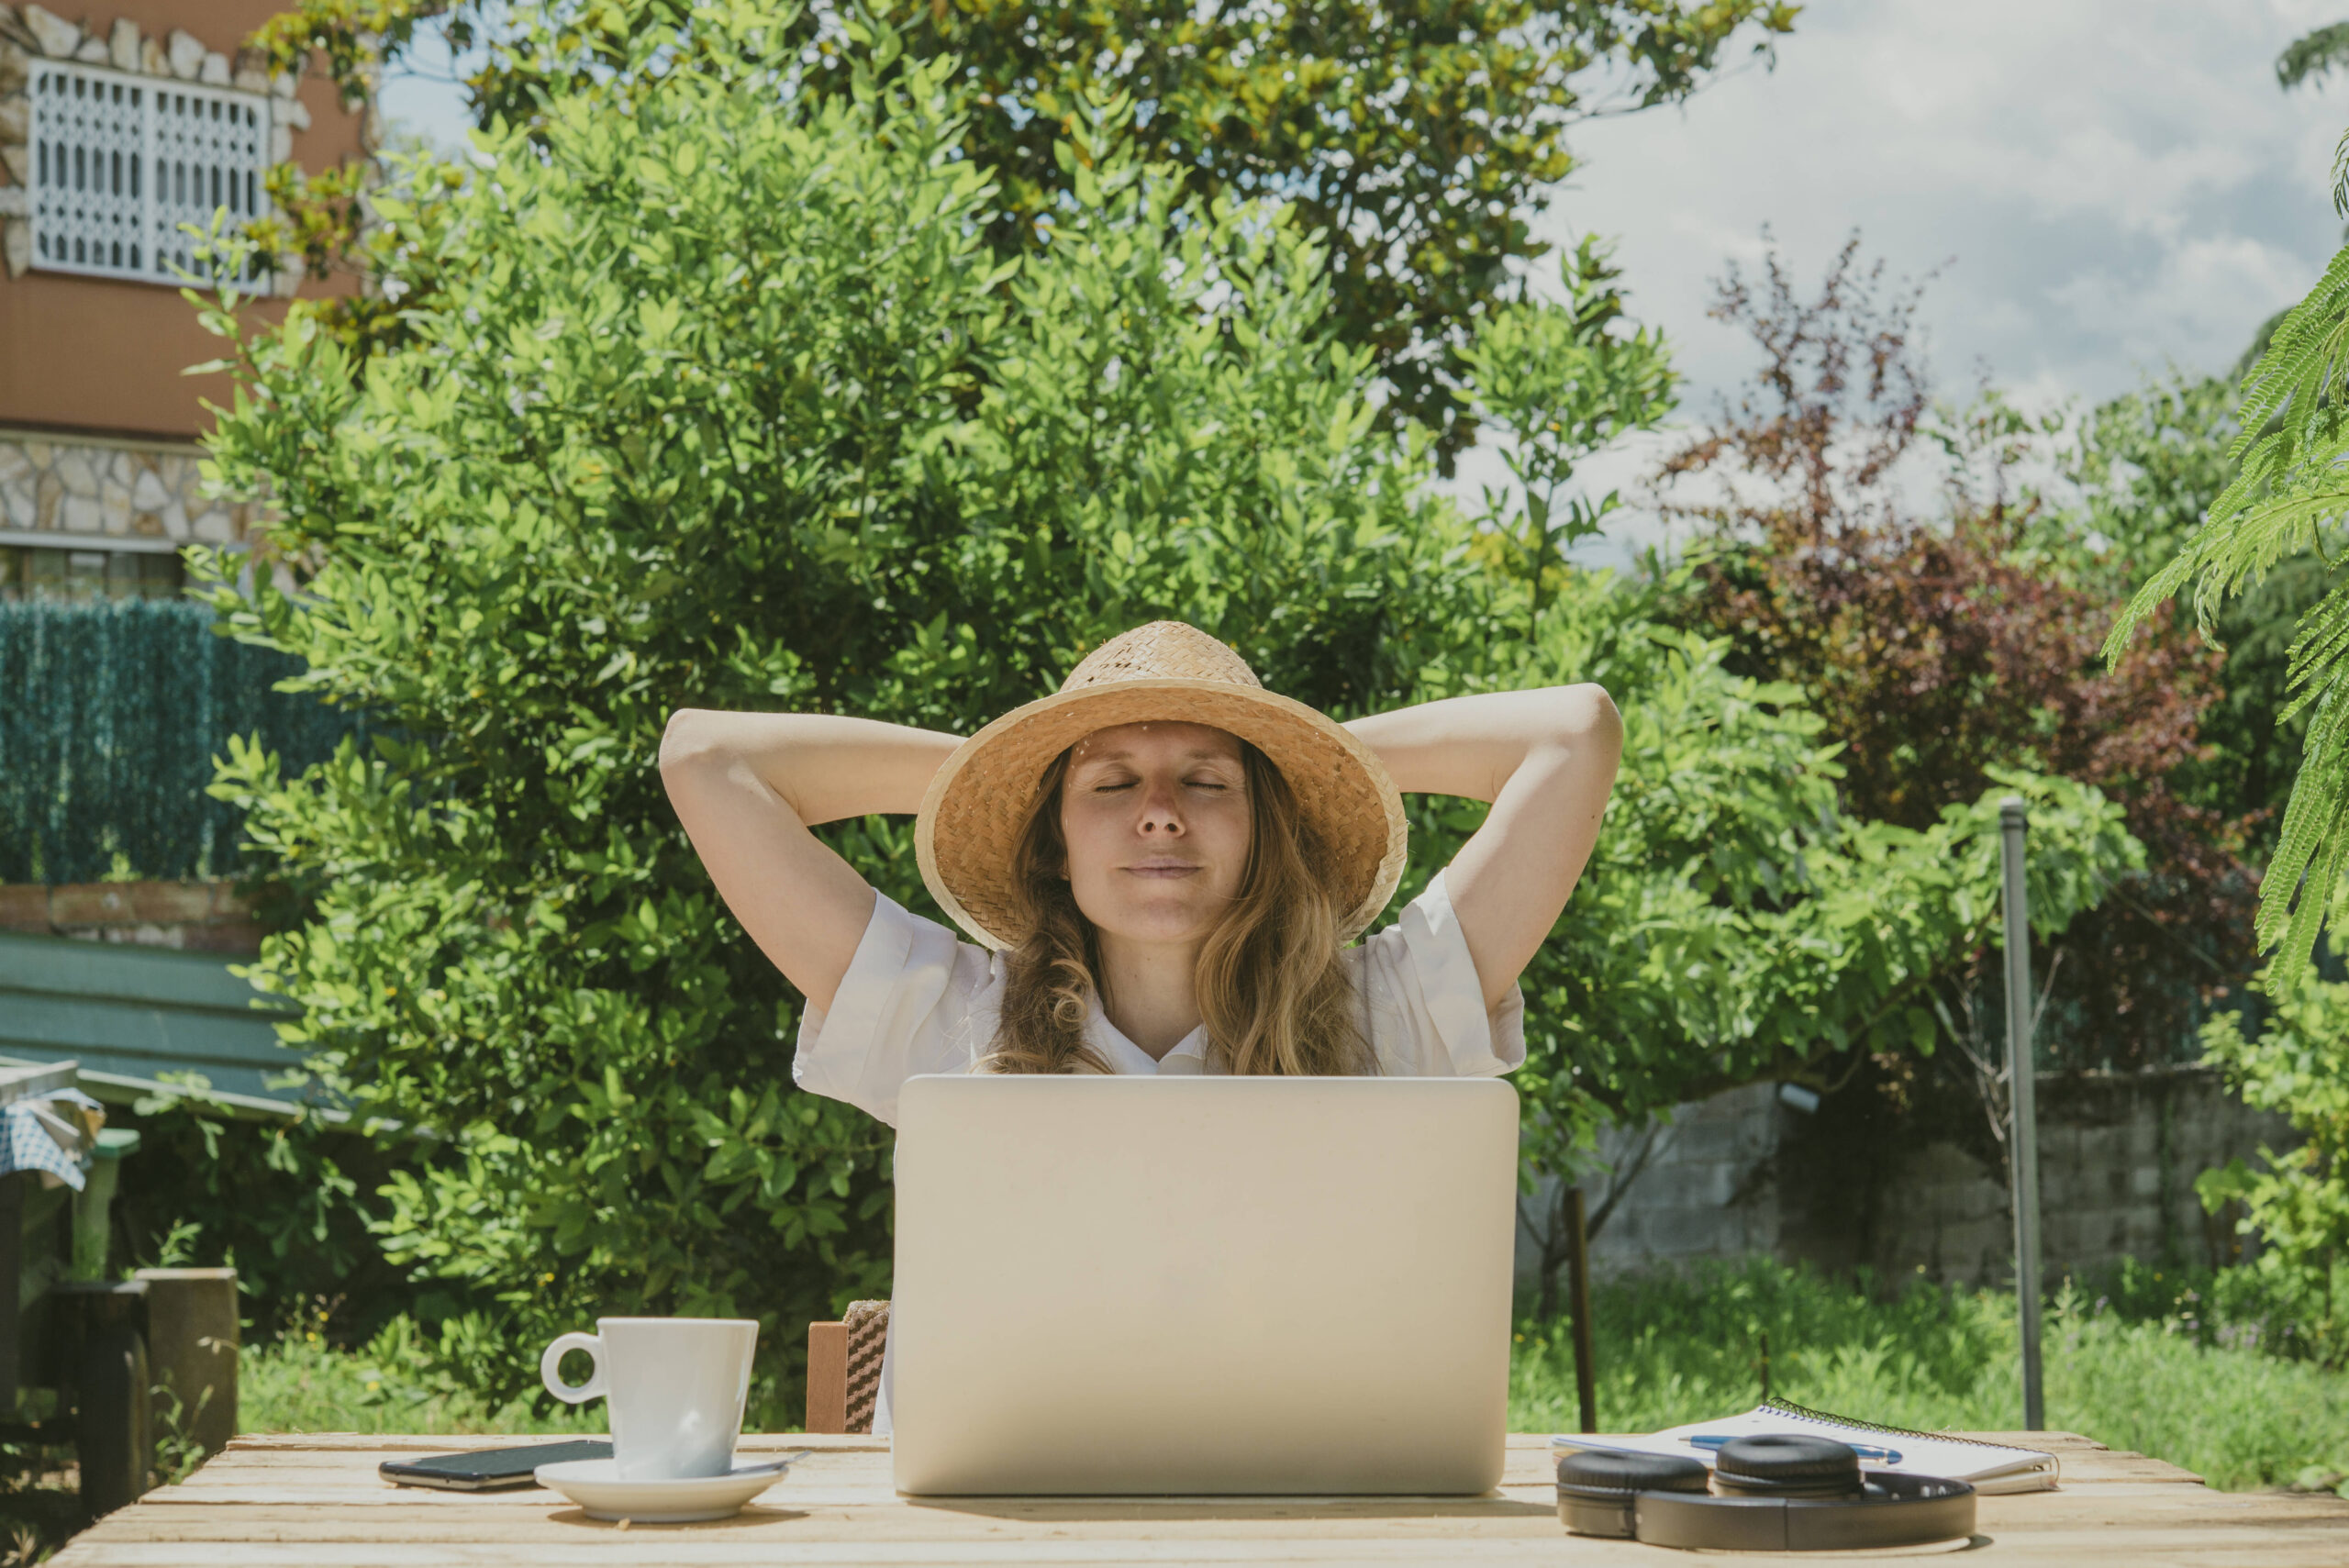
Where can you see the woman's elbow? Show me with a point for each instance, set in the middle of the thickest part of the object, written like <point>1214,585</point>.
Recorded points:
<point>1590,721</point>
<point>687,740</point>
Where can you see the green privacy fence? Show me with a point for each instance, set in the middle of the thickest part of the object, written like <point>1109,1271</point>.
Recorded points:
<point>110,716</point>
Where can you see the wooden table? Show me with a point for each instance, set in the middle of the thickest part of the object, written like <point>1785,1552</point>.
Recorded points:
<point>316,1501</point>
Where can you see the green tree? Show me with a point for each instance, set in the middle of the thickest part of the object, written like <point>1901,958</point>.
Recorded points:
<point>1557,383</point>
<point>726,401</point>
<point>1422,140</point>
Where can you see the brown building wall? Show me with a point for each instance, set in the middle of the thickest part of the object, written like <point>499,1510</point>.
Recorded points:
<point>104,357</point>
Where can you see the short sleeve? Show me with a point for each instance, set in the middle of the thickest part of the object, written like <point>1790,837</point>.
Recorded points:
<point>1426,1004</point>
<point>909,1003</point>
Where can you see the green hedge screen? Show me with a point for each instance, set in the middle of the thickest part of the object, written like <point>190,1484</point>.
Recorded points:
<point>110,716</point>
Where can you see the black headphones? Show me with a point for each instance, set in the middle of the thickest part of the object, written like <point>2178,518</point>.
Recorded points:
<point>1777,1494</point>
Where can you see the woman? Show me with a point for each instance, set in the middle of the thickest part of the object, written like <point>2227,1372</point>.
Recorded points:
<point>1163,862</point>
<point>1161,865</point>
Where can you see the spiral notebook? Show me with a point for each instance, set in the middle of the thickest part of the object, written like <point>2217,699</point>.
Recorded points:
<point>1992,1467</point>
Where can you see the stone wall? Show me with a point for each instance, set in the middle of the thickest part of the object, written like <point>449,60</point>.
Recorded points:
<point>76,485</point>
<point>1744,1175</point>
<point>193,917</point>
<point>32,29</point>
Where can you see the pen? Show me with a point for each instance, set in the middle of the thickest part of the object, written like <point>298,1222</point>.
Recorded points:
<point>1881,1455</point>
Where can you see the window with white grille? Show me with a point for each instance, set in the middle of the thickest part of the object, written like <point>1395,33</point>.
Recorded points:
<point>121,161</point>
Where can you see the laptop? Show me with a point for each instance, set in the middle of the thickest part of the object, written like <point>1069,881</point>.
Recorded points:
<point>1197,1286</point>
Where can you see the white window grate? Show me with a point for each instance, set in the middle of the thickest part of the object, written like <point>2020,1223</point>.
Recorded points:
<point>121,161</point>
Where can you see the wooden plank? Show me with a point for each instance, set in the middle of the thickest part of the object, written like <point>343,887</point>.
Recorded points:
<point>13,1259</point>
<point>780,1540</point>
<point>192,1335</point>
<point>827,1377</point>
<point>314,1499</point>
<point>34,1079</point>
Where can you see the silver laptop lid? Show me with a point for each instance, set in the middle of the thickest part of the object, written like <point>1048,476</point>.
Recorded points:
<point>1202,1286</point>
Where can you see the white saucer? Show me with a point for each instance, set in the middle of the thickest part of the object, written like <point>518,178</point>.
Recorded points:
<point>595,1486</point>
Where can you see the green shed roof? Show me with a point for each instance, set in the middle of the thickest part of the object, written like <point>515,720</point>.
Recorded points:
<point>132,1014</point>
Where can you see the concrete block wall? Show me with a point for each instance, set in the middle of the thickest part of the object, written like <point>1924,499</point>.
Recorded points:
<point>2118,1156</point>
<point>1697,1197</point>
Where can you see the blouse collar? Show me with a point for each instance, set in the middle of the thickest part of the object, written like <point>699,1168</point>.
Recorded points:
<point>1123,1056</point>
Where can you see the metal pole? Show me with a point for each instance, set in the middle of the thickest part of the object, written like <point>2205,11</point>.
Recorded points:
<point>2022,1134</point>
<point>1578,1291</point>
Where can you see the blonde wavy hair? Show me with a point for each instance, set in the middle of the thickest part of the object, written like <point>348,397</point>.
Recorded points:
<point>1272,988</point>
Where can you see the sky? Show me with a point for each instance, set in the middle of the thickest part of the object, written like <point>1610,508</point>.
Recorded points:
<point>2105,188</point>
<point>2108,186</point>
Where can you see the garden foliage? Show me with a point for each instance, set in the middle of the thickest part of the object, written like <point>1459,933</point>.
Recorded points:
<point>1880,555</point>
<point>2298,1200</point>
<point>725,402</point>
<point>2165,1371</point>
<point>2285,499</point>
<point>2138,474</point>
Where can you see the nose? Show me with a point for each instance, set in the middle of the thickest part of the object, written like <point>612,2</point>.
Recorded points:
<point>1162,812</point>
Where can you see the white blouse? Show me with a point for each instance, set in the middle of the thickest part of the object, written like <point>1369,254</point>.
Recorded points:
<point>916,1000</point>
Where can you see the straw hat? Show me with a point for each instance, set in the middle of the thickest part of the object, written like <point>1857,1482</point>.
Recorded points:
<point>1165,671</point>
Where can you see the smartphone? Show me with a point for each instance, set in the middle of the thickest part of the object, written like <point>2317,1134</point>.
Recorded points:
<point>488,1469</point>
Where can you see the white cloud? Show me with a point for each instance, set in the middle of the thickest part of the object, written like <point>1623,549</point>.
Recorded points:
<point>2114,186</point>
<point>2056,150</point>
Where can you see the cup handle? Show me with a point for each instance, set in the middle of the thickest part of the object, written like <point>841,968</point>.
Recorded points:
<point>567,1392</point>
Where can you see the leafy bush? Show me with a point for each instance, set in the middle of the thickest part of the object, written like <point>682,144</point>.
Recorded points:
<point>722,401</point>
<point>287,1203</point>
<point>2281,1311</point>
<point>725,404</point>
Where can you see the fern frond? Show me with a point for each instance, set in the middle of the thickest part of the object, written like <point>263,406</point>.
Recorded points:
<point>2313,55</point>
<point>2303,880</point>
<point>2290,487</point>
<point>2318,646</point>
<point>2302,358</point>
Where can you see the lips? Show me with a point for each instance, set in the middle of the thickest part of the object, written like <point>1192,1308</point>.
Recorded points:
<point>1167,868</point>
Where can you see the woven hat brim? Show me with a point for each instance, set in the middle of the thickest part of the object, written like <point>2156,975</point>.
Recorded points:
<point>967,832</point>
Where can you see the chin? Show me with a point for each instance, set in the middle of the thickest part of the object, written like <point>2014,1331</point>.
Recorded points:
<point>1154,924</point>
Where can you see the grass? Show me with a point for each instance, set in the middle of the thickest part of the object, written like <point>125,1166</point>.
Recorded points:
<point>300,1382</point>
<point>2142,1367</point>
<point>1679,1349</point>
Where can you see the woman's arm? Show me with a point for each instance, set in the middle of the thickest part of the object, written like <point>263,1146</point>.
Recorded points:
<point>1546,760</point>
<point>749,785</point>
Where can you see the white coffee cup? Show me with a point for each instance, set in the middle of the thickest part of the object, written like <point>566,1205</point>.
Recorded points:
<point>675,1388</point>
